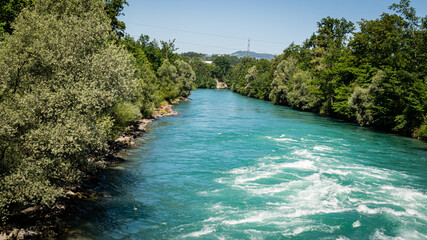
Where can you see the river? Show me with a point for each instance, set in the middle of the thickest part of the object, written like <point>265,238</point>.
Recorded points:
<point>233,167</point>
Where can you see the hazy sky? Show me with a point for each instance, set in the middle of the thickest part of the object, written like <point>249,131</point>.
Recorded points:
<point>224,26</point>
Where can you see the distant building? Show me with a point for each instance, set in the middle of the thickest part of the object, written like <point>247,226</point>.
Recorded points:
<point>208,62</point>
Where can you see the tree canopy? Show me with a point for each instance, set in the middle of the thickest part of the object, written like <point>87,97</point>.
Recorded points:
<point>68,86</point>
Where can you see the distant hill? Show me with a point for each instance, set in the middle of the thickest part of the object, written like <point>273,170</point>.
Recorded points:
<point>253,54</point>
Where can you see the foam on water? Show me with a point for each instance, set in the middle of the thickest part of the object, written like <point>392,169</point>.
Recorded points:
<point>304,153</point>
<point>321,192</point>
<point>213,219</point>
<point>322,148</point>
<point>320,228</point>
<point>380,235</point>
<point>285,140</point>
<point>206,230</point>
<point>356,224</point>
<point>337,171</point>
<point>304,164</point>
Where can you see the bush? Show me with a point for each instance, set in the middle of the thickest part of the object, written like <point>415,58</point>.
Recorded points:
<point>125,112</point>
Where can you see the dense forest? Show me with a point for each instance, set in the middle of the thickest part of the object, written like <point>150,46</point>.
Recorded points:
<point>70,80</point>
<point>375,76</point>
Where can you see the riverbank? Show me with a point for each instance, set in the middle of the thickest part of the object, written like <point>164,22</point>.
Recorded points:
<point>38,223</point>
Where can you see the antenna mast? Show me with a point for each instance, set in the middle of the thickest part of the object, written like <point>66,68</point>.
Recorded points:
<point>249,47</point>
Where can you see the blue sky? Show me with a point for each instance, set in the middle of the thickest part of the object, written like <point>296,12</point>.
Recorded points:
<point>224,26</point>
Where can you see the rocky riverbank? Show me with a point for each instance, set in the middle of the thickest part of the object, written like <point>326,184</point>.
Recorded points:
<point>38,223</point>
<point>220,85</point>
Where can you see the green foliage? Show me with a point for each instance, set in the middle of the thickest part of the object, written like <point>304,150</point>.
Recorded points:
<point>421,132</point>
<point>361,103</point>
<point>379,42</point>
<point>203,73</point>
<point>59,80</point>
<point>155,53</point>
<point>168,83</point>
<point>408,12</point>
<point>236,78</point>
<point>194,55</point>
<point>9,10</point>
<point>257,80</point>
<point>222,66</point>
<point>332,33</point>
<point>67,84</point>
<point>125,112</point>
<point>186,78</point>
<point>250,78</point>
<point>282,77</point>
<point>114,8</point>
<point>146,90</point>
<point>300,95</point>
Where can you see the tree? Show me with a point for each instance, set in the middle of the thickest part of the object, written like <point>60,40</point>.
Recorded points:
<point>362,99</point>
<point>332,33</point>
<point>168,50</point>
<point>222,65</point>
<point>408,12</point>
<point>203,73</point>
<point>147,91</point>
<point>194,55</point>
<point>299,94</point>
<point>282,76</point>
<point>237,74</point>
<point>9,10</point>
<point>251,76</point>
<point>59,82</point>
<point>114,8</point>
<point>379,42</point>
<point>168,83</point>
<point>186,78</point>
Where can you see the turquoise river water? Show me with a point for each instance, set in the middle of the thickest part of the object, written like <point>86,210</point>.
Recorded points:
<point>232,167</point>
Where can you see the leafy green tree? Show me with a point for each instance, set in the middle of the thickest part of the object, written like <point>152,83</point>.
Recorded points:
<point>236,80</point>
<point>156,52</point>
<point>168,84</point>
<point>203,73</point>
<point>379,42</point>
<point>186,78</point>
<point>59,82</point>
<point>194,55</point>
<point>114,8</point>
<point>395,44</point>
<point>168,49</point>
<point>222,66</point>
<point>408,12</point>
<point>251,77</point>
<point>151,50</point>
<point>332,33</point>
<point>263,80</point>
<point>282,76</point>
<point>362,100</point>
<point>330,65</point>
<point>300,95</point>
<point>9,10</point>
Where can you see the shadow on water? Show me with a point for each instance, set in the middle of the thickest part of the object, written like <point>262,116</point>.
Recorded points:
<point>113,206</point>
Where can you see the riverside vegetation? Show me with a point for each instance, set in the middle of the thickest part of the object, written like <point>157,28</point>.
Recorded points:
<point>375,76</point>
<point>70,81</point>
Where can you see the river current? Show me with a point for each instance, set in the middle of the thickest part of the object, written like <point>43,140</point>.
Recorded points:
<point>233,167</point>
